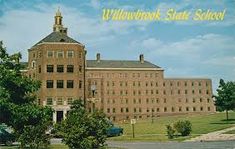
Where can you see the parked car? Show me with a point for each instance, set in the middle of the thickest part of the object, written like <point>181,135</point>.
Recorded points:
<point>6,136</point>
<point>114,130</point>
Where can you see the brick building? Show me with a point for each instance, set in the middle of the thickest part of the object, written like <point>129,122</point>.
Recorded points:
<point>122,89</point>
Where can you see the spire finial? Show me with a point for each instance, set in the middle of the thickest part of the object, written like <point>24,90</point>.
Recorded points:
<point>58,13</point>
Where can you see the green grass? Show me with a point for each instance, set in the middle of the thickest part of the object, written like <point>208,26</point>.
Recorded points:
<point>156,131</point>
<point>52,146</point>
<point>230,132</point>
<point>58,146</point>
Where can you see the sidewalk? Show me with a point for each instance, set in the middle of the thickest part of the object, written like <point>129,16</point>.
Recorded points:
<point>215,136</point>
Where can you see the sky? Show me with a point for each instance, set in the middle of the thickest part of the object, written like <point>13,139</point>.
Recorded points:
<point>191,49</point>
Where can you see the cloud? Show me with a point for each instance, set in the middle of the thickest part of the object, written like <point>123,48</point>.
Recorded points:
<point>212,45</point>
<point>203,56</point>
<point>21,28</point>
<point>95,4</point>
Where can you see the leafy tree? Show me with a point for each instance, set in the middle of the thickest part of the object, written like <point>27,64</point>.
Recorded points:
<point>82,129</point>
<point>170,131</point>
<point>17,102</point>
<point>184,127</point>
<point>225,100</point>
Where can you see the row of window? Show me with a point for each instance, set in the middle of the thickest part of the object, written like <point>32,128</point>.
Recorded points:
<point>135,83</point>
<point>60,84</point>
<point>125,75</point>
<point>139,101</point>
<point>151,92</point>
<point>60,54</point>
<point>165,109</point>
<point>59,101</point>
<point>57,54</point>
<point>60,68</point>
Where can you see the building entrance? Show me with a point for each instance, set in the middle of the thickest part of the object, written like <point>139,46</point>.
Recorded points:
<point>59,116</point>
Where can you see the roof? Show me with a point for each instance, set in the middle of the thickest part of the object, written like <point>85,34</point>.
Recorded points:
<point>112,64</point>
<point>57,37</point>
<point>119,64</point>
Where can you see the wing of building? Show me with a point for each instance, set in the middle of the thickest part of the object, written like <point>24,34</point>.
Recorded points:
<point>123,89</point>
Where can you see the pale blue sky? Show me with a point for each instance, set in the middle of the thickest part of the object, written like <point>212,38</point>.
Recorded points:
<point>183,49</point>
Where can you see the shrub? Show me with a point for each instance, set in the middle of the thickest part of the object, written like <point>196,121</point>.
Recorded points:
<point>170,131</point>
<point>184,127</point>
<point>84,130</point>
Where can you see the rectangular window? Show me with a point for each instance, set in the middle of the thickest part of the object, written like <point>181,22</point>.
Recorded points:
<point>49,83</point>
<point>69,101</point>
<point>80,68</point>
<point>50,68</point>
<point>180,109</point>
<point>200,91</point>
<point>60,68</point>
<point>80,85</point>
<point>50,54</point>
<point>59,101</point>
<point>187,108</point>
<point>201,108</point>
<point>49,101</point>
<point>165,109</point>
<point>69,83</point>
<point>60,83</point>
<point>70,68</point>
<point>60,54</point>
<point>70,53</point>
<point>39,69</point>
<point>80,54</point>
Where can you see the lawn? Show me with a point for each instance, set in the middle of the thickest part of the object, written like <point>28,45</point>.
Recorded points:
<point>53,146</point>
<point>156,131</point>
<point>230,132</point>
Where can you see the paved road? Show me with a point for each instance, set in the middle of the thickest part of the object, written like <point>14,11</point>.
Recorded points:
<point>216,136</point>
<point>173,145</point>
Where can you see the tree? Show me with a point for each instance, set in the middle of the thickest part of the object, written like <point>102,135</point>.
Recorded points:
<point>184,127</point>
<point>170,131</point>
<point>82,129</point>
<point>17,102</point>
<point>225,98</point>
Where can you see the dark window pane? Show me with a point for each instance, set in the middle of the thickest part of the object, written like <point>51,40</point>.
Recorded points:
<point>69,83</point>
<point>49,83</point>
<point>70,68</point>
<point>60,83</point>
<point>50,68</point>
<point>60,68</point>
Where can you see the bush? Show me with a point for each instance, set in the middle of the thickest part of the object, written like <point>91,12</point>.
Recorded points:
<point>170,131</point>
<point>84,130</point>
<point>184,127</point>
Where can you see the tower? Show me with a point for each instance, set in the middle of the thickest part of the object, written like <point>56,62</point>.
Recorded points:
<point>58,26</point>
<point>58,62</point>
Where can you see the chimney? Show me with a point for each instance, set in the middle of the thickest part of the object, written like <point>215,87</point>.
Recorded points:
<point>98,57</point>
<point>141,58</point>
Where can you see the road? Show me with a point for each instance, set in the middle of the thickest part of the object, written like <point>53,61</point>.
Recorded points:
<point>173,145</point>
<point>167,145</point>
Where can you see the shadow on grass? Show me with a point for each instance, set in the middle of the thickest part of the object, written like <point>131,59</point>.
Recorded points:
<point>225,122</point>
<point>233,120</point>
